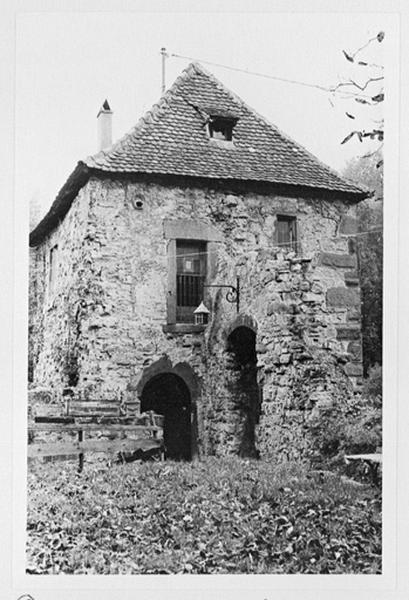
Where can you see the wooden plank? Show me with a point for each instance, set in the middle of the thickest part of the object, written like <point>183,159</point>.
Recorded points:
<point>76,408</point>
<point>93,403</point>
<point>92,411</point>
<point>114,428</point>
<point>100,419</point>
<point>41,450</point>
<point>376,458</point>
<point>60,419</point>
<point>104,403</point>
<point>86,408</point>
<point>59,458</point>
<point>96,419</point>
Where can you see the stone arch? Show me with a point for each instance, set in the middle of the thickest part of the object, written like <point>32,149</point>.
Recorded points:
<point>242,320</point>
<point>157,383</point>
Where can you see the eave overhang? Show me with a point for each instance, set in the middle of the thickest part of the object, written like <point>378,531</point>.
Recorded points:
<point>82,173</point>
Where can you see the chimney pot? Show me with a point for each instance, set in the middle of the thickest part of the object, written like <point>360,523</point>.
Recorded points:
<point>104,119</point>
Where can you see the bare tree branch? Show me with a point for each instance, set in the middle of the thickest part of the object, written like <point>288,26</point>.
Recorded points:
<point>379,38</point>
<point>353,83</point>
<point>374,99</point>
<point>362,63</point>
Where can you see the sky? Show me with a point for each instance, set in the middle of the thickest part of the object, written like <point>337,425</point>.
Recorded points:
<point>68,63</point>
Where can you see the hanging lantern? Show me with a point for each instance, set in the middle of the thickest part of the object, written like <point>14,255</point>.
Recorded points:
<point>201,314</point>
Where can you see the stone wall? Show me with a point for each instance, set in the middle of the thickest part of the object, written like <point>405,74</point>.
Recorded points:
<point>56,313</point>
<point>105,324</point>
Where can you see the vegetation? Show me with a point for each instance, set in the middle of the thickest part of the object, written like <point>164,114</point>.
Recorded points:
<point>373,384</point>
<point>365,87</point>
<point>351,427</point>
<point>364,170</point>
<point>354,429</point>
<point>215,516</point>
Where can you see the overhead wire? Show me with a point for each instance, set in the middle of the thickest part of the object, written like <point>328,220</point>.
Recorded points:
<point>285,80</point>
<point>332,90</point>
<point>282,244</point>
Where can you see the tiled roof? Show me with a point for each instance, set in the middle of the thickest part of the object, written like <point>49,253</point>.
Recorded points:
<point>172,138</point>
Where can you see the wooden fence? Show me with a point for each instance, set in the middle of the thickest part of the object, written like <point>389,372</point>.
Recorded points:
<point>91,417</point>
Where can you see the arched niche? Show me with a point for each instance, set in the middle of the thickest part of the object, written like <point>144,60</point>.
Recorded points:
<point>243,385</point>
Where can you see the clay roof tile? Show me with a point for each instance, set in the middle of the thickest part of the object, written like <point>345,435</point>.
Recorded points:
<point>172,139</point>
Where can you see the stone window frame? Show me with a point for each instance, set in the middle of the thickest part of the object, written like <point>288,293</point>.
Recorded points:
<point>288,216</point>
<point>175,230</point>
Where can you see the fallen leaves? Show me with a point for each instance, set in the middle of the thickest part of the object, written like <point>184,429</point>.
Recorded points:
<point>214,516</point>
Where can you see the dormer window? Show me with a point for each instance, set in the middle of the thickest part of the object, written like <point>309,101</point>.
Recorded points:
<point>221,128</point>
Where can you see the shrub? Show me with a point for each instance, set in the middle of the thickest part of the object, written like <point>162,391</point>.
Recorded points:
<point>372,388</point>
<point>350,427</point>
<point>365,434</point>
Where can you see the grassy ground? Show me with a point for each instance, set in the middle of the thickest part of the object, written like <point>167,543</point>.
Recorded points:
<point>215,516</point>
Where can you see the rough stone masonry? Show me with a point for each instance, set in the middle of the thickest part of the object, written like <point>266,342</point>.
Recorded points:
<point>106,319</point>
<point>103,285</point>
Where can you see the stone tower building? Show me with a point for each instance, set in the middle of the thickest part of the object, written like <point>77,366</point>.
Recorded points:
<point>202,193</point>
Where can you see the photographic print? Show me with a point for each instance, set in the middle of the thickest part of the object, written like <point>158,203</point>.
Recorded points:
<point>205,291</point>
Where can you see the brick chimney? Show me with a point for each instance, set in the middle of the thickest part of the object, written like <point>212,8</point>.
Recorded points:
<point>104,118</point>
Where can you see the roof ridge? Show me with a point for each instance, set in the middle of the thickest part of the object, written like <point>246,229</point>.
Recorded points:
<point>151,146</point>
<point>269,123</point>
<point>196,68</point>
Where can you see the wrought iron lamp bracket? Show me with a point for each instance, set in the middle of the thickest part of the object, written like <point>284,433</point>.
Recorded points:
<point>233,294</point>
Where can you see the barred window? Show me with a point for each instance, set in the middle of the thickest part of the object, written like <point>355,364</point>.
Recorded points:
<point>190,278</point>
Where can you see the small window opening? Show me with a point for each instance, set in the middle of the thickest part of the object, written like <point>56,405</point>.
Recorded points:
<point>190,278</point>
<point>53,268</point>
<point>221,128</point>
<point>286,232</point>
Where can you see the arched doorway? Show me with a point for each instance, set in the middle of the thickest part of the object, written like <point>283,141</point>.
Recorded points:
<point>242,381</point>
<point>168,395</point>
